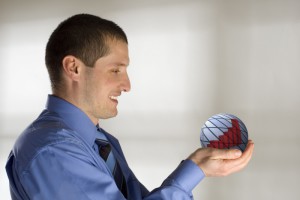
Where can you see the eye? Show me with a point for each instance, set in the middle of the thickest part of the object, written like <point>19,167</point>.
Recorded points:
<point>116,71</point>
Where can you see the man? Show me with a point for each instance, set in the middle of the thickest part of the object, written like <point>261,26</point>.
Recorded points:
<point>65,154</point>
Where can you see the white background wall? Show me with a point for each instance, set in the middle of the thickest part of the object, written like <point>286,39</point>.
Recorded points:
<point>189,60</point>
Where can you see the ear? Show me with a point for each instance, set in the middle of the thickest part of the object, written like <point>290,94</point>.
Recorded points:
<point>71,67</point>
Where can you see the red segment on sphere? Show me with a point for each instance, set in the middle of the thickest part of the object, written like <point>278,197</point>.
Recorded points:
<point>230,138</point>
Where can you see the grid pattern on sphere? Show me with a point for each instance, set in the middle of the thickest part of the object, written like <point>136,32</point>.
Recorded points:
<point>225,121</point>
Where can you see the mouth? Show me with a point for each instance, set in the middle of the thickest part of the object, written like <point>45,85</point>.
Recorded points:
<point>114,98</point>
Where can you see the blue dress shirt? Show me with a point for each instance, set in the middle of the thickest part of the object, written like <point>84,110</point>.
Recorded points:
<point>56,158</point>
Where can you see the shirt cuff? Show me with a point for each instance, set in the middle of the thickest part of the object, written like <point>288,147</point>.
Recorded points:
<point>186,176</point>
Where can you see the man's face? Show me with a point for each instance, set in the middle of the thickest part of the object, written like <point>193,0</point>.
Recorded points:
<point>105,82</point>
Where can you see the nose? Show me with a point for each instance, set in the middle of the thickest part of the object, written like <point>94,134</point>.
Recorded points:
<point>126,86</point>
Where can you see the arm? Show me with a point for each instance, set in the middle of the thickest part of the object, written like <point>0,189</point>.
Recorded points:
<point>203,162</point>
<point>179,184</point>
<point>64,171</point>
<point>67,172</point>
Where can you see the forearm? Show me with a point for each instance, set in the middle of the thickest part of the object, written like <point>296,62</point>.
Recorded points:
<point>179,184</point>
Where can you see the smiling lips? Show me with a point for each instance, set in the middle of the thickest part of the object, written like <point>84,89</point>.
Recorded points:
<point>114,98</point>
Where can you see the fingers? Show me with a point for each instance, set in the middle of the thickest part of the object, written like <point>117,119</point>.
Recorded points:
<point>222,162</point>
<point>241,162</point>
<point>226,154</point>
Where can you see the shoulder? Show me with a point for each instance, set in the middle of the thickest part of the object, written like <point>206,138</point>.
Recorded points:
<point>47,133</point>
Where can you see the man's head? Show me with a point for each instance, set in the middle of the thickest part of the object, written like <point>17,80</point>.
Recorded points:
<point>84,36</point>
<point>87,59</point>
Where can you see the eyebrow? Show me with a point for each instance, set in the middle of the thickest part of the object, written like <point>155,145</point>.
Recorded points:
<point>121,64</point>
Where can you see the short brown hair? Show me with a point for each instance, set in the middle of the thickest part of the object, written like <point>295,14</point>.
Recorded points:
<point>84,36</point>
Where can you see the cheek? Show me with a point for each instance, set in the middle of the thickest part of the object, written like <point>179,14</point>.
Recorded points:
<point>101,88</point>
<point>100,91</point>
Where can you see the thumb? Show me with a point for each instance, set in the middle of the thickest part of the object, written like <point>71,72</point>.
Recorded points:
<point>226,154</point>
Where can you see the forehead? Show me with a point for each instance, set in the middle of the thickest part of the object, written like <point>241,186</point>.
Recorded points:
<point>118,52</point>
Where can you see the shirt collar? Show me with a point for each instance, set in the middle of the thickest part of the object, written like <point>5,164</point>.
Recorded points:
<point>74,118</point>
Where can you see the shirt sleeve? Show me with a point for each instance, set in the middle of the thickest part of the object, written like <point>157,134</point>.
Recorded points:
<point>64,171</point>
<point>179,185</point>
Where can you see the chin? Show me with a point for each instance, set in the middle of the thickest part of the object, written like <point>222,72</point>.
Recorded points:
<point>109,115</point>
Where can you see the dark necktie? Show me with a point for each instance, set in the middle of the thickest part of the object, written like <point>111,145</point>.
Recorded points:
<point>107,155</point>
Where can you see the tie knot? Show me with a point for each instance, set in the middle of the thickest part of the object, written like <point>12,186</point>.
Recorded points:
<point>104,148</point>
